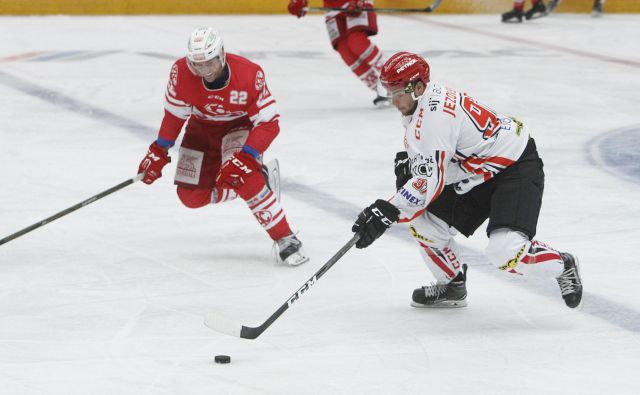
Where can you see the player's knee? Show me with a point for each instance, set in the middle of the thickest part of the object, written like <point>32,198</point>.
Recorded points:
<point>506,248</point>
<point>358,41</point>
<point>194,198</point>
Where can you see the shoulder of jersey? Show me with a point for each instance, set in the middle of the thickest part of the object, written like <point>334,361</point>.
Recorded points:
<point>237,60</point>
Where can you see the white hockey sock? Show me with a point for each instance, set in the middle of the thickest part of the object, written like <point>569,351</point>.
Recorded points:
<point>512,252</point>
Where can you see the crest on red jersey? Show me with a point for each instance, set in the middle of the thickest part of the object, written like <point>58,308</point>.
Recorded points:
<point>259,80</point>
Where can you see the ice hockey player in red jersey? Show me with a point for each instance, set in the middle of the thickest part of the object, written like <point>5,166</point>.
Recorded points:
<point>463,163</point>
<point>537,10</point>
<point>349,32</point>
<point>231,119</point>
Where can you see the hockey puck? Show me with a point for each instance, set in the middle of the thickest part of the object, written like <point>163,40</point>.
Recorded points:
<point>222,359</point>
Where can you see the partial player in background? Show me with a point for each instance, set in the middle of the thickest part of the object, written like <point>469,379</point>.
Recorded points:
<point>537,10</point>
<point>231,120</point>
<point>463,164</point>
<point>349,32</point>
<point>596,9</point>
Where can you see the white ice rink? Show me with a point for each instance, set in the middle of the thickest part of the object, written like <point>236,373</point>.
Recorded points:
<point>110,299</point>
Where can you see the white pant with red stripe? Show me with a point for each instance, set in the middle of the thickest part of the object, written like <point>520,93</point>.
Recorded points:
<point>509,250</point>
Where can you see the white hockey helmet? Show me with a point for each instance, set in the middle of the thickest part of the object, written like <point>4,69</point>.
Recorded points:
<point>205,44</point>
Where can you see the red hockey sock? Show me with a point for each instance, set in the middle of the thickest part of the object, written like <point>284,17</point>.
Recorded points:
<point>519,5</point>
<point>267,210</point>
<point>362,56</point>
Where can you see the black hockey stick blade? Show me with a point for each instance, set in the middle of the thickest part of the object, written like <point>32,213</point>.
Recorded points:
<point>71,209</point>
<point>229,327</point>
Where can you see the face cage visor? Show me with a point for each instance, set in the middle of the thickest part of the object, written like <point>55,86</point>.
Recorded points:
<point>206,68</point>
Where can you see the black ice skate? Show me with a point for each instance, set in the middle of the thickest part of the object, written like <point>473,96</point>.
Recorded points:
<point>381,101</point>
<point>290,250</point>
<point>569,281</point>
<point>513,16</point>
<point>439,295</point>
<point>537,11</point>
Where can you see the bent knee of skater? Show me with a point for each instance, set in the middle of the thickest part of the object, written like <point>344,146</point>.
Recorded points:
<point>194,198</point>
<point>506,248</point>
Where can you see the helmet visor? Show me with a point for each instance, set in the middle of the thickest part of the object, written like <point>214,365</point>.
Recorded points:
<point>394,90</point>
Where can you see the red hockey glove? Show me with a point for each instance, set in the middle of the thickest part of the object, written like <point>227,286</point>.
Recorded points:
<point>298,7</point>
<point>153,163</point>
<point>241,169</point>
<point>355,7</point>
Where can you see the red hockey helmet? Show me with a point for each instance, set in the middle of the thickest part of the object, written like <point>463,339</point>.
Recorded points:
<point>402,70</point>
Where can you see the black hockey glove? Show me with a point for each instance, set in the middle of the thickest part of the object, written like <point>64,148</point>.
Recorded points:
<point>402,169</point>
<point>373,221</point>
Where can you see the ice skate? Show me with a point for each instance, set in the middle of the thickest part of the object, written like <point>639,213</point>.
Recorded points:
<point>513,16</point>
<point>381,101</point>
<point>290,250</point>
<point>271,174</point>
<point>569,281</point>
<point>439,295</point>
<point>537,11</point>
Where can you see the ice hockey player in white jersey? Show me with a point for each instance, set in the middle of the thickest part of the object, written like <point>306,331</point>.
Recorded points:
<point>463,163</point>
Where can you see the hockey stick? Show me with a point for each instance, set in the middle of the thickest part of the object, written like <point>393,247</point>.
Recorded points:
<point>431,8</point>
<point>229,327</point>
<point>72,209</point>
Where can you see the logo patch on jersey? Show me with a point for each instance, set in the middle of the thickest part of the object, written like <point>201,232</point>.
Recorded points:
<point>173,80</point>
<point>412,200</point>
<point>420,185</point>
<point>259,80</point>
<point>419,123</point>
<point>422,166</point>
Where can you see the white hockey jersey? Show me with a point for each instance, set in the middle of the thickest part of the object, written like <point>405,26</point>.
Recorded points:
<point>453,139</point>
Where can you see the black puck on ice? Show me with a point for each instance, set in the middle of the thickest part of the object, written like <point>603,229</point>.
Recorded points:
<point>222,359</point>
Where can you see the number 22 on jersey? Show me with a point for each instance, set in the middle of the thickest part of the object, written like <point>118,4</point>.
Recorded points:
<point>236,97</point>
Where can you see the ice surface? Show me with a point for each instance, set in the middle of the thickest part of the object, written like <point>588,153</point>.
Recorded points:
<point>111,299</point>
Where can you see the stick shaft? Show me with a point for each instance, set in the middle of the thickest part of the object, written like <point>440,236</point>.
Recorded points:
<point>71,209</point>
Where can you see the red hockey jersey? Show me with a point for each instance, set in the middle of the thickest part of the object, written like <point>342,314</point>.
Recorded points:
<point>244,98</point>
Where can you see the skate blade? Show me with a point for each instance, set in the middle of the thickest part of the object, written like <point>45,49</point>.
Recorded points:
<point>449,304</point>
<point>537,16</point>
<point>296,259</point>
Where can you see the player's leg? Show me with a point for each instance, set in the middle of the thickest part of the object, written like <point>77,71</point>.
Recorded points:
<point>349,36</point>
<point>552,4</point>
<point>515,207</point>
<point>201,155</point>
<point>597,9</point>
<point>537,10</point>
<point>516,14</point>
<point>439,252</point>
